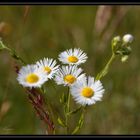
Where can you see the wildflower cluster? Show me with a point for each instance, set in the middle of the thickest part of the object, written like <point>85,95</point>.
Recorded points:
<point>84,89</point>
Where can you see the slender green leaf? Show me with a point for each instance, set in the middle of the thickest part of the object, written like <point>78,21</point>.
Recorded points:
<point>61,122</point>
<point>75,111</point>
<point>80,123</point>
<point>63,99</point>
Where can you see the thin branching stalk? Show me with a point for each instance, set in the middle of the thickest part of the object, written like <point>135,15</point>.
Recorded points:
<point>68,110</point>
<point>35,97</point>
<point>105,70</point>
<point>13,53</point>
<point>80,122</point>
<point>37,101</point>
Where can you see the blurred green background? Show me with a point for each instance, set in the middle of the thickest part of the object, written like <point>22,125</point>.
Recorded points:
<point>44,31</point>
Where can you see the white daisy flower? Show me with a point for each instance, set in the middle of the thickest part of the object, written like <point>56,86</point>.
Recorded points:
<point>49,66</point>
<point>68,75</point>
<point>31,76</point>
<point>87,91</point>
<point>73,56</point>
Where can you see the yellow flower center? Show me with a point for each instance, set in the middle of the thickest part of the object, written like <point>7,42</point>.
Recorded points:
<point>87,92</point>
<point>72,59</point>
<point>47,69</point>
<point>32,78</point>
<point>70,79</point>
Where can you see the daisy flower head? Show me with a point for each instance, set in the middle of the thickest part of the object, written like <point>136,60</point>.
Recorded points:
<point>31,76</point>
<point>68,75</point>
<point>87,91</point>
<point>73,57</point>
<point>49,66</point>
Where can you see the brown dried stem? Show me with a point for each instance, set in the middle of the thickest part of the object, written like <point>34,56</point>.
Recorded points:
<point>37,100</point>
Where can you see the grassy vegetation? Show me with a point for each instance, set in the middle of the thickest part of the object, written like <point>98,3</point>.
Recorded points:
<point>44,31</point>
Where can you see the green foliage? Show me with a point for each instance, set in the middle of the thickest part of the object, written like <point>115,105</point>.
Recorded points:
<point>44,31</point>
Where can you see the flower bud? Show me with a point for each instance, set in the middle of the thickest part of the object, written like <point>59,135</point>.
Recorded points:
<point>116,43</point>
<point>128,38</point>
<point>124,58</point>
<point>2,46</point>
<point>117,39</point>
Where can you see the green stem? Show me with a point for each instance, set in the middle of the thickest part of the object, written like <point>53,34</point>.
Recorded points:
<point>76,110</point>
<point>106,68</point>
<point>80,122</point>
<point>67,111</point>
<point>68,102</point>
<point>12,52</point>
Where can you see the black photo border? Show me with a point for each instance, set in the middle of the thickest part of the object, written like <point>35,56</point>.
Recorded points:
<point>69,2</point>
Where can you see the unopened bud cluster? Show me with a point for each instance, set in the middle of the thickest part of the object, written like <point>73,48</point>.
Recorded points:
<point>122,46</point>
